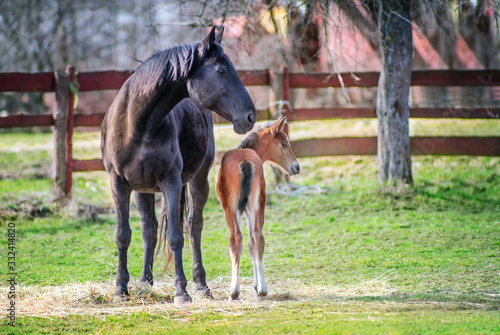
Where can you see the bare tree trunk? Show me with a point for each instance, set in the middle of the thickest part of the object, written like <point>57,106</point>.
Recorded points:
<point>393,92</point>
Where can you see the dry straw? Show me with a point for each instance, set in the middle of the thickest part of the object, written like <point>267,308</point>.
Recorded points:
<point>96,298</point>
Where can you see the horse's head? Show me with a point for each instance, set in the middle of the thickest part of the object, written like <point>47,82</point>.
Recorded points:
<point>214,84</point>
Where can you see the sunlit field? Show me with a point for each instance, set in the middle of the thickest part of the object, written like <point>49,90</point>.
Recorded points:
<point>341,255</point>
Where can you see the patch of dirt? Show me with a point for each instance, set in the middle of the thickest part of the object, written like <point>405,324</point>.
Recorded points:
<point>92,212</point>
<point>24,208</point>
<point>30,173</point>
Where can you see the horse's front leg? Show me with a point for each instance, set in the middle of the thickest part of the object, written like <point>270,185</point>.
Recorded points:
<point>171,188</point>
<point>120,191</point>
<point>145,203</point>
<point>198,195</point>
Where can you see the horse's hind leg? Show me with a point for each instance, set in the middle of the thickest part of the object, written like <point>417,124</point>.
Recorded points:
<point>235,248</point>
<point>256,246</point>
<point>121,196</point>
<point>146,205</point>
<point>198,195</point>
<point>257,243</point>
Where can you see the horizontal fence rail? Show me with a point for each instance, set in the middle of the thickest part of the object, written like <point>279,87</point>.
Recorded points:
<point>27,82</point>
<point>418,78</point>
<point>299,114</point>
<point>341,146</point>
<point>97,81</point>
<point>303,114</point>
<point>113,80</point>
<point>480,146</point>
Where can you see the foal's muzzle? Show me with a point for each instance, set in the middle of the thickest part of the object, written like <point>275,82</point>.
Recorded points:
<point>295,168</point>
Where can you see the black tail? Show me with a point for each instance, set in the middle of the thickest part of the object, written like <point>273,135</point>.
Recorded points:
<point>246,170</point>
<point>162,245</point>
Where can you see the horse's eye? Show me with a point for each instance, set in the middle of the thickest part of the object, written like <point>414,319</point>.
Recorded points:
<point>283,145</point>
<point>221,69</point>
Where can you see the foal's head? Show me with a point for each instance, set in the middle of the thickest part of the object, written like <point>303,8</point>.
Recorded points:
<point>272,144</point>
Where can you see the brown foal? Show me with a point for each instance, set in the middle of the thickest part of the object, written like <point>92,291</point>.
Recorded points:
<point>242,190</point>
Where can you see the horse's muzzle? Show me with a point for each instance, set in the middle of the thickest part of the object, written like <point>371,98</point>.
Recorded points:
<point>245,123</point>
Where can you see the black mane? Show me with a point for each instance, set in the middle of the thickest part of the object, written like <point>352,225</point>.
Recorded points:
<point>163,66</point>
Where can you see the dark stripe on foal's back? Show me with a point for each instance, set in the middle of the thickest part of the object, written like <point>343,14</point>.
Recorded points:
<point>246,170</point>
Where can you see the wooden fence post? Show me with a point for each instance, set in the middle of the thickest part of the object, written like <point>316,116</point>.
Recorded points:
<point>276,98</point>
<point>70,70</point>
<point>279,103</point>
<point>64,122</point>
<point>60,115</point>
<point>286,95</point>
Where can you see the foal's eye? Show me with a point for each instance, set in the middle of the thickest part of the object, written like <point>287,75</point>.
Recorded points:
<point>283,145</point>
<point>221,69</point>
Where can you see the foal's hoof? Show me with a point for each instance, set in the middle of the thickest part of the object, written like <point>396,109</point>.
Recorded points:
<point>262,291</point>
<point>262,294</point>
<point>234,296</point>
<point>182,299</point>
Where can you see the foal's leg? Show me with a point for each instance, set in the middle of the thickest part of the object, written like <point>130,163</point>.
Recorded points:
<point>259,245</point>
<point>146,205</point>
<point>198,195</point>
<point>171,188</point>
<point>250,224</point>
<point>256,244</point>
<point>121,196</point>
<point>233,219</point>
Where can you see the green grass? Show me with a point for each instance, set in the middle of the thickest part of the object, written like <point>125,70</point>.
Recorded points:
<point>422,240</point>
<point>425,261</point>
<point>284,318</point>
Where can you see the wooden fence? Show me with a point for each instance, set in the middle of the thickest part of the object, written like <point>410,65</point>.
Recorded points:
<point>64,119</point>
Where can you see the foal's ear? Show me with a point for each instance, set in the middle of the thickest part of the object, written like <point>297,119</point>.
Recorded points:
<point>279,125</point>
<point>218,37</point>
<point>207,43</point>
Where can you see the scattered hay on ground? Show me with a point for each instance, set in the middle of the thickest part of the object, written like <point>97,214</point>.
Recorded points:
<point>97,298</point>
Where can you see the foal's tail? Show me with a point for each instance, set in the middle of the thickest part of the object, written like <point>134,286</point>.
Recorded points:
<point>246,171</point>
<point>162,245</point>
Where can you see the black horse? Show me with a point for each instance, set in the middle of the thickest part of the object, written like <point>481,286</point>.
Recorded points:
<point>146,148</point>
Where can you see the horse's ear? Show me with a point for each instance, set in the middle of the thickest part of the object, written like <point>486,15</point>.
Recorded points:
<point>279,125</point>
<point>207,43</point>
<point>218,37</point>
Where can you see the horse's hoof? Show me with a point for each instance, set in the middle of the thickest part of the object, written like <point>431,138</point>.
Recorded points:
<point>119,298</point>
<point>205,293</point>
<point>182,299</point>
<point>147,281</point>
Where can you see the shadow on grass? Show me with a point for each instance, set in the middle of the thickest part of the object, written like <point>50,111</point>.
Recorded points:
<point>455,300</point>
<point>57,225</point>
<point>458,196</point>
<point>457,193</point>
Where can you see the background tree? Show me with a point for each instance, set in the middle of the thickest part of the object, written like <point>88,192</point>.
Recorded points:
<point>393,113</point>
<point>91,35</point>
